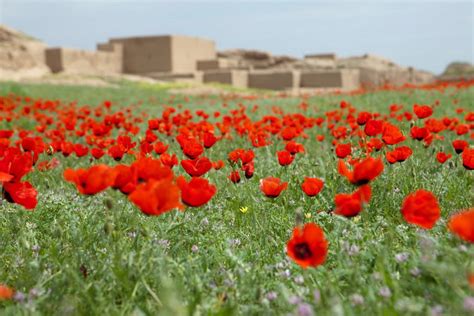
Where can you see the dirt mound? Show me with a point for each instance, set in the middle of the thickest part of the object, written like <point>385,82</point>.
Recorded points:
<point>21,56</point>
<point>459,68</point>
<point>376,71</point>
<point>456,71</point>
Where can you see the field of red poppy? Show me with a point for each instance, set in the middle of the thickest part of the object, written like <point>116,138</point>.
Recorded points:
<point>136,201</point>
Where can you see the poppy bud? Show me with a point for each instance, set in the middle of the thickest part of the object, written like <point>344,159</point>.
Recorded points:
<point>109,204</point>
<point>108,228</point>
<point>50,150</point>
<point>299,216</point>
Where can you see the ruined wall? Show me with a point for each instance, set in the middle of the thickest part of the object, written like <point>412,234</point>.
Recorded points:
<point>83,62</point>
<point>186,51</point>
<point>371,78</point>
<point>236,78</point>
<point>274,80</point>
<point>325,61</point>
<point>218,63</point>
<point>53,59</point>
<point>345,79</point>
<point>143,55</point>
<point>164,54</point>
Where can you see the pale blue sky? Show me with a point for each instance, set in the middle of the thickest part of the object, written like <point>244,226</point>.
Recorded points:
<point>424,34</point>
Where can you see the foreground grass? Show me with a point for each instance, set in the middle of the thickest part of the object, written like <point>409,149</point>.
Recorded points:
<point>74,255</point>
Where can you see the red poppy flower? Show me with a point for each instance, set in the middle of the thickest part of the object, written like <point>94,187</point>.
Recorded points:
<point>419,133</point>
<point>234,155</point>
<point>364,171</point>
<point>312,186</point>
<point>154,124</point>
<point>149,168</point>
<point>462,129</point>
<point>16,164</point>
<point>272,187</point>
<point>249,169</point>
<point>363,118</point>
<point>160,148</point>
<point>442,157</point>
<point>399,154</point>
<point>91,181</point>
<point>247,156</point>
<point>150,137</point>
<point>66,148</point>
<point>126,179</point>
<point>97,153</point>
<point>421,208</point>
<point>288,133</point>
<point>234,176</point>
<point>21,193</point>
<point>169,160</point>
<point>462,224</point>
<point>459,145</point>
<point>209,140</point>
<point>217,165</point>
<point>308,247</point>
<point>116,152</point>
<point>192,149</point>
<point>196,192</point>
<point>350,205</point>
<point>391,135</point>
<point>197,167</point>
<point>468,158</point>
<point>375,143</point>
<point>6,293</point>
<point>6,133</point>
<point>145,148</point>
<point>156,197</point>
<point>28,144</point>
<point>125,142</point>
<point>293,147</point>
<point>373,127</point>
<point>343,150</point>
<point>5,177</point>
<point>422,111</point>
<point>285,158</point>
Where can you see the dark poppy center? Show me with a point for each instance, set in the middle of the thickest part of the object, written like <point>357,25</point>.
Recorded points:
<point>83,183</point>
<point>302,251</point>
<point>7,196</point>
<point>362,181</point>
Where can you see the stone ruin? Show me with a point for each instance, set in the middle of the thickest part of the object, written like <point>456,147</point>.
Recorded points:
<point>163,56</point>
<point>185,58</point>
<point>314,72</point>
<point>106,60</point>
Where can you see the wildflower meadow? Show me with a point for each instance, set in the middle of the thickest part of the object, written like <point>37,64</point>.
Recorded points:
<point>134,201</point>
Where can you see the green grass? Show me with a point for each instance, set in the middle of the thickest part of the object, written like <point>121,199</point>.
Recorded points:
<point>73,255</point>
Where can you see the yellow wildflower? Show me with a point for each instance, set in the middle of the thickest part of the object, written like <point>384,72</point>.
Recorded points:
<point>244,209</point>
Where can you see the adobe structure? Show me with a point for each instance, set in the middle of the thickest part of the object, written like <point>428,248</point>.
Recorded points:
<point>168,54</point>
<point>184,58</point>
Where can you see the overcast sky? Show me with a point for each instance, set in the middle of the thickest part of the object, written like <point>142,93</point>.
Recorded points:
<point>424,34</point>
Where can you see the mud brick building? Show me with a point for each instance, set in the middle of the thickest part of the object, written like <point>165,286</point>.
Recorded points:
<point>192,59</point>
<point>163,54</point>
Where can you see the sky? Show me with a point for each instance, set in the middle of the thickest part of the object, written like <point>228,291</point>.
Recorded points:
<point>425,34</point>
